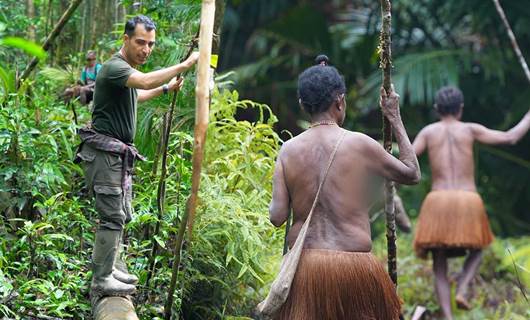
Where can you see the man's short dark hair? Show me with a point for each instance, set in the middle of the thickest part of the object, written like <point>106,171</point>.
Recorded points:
<point>319,86</point>
<point>130,25</point>
<point>449,100</point>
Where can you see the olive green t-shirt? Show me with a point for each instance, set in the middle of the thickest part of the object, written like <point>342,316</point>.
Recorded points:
<point>115,104</point>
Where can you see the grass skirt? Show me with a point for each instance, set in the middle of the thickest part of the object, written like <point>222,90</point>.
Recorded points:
<point>454,220</point>
<point>337,285</point>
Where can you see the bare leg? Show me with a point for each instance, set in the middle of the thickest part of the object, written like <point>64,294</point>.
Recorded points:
<point>468,273</point>
<point>443,288</point>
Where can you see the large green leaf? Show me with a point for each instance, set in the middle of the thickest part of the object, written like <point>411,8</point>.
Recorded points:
<point>417,76</point>
<point>27,46</point>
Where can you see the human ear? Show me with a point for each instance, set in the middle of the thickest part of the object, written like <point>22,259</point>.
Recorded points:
<point>338,102</point>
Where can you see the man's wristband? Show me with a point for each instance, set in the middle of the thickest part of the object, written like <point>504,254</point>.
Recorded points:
<point>165,89</point>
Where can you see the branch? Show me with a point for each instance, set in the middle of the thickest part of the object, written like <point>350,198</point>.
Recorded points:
<point>386,65</point>
<point>512,39</point>
<point>161,190</point>
<point>51,37</point>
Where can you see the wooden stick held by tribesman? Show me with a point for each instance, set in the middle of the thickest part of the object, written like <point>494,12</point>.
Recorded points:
<point>385,46</point>
<point>511,35</point>
<point>202,99</point>
<point>51,37</point>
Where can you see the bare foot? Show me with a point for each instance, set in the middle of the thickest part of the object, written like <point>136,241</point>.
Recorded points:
<point>462,302</point>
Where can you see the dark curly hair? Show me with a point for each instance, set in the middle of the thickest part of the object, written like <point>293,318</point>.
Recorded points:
<point>319,86</point>
<point>449,100</point>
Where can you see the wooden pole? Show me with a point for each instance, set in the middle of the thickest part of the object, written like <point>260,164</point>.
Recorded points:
<point>385,48</point>
<point>512,39</point>
<point>51,37</point>
<point>202,100</point>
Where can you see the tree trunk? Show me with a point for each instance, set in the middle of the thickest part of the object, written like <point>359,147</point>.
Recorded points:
<point>114,308</point>
<point>31,15</point>
<point>83,28</point>
<point>96,11</point>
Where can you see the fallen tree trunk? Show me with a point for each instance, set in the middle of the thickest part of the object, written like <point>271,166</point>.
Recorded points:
<point>114,308</point>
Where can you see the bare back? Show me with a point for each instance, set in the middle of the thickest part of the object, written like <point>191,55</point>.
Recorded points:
<point>449,143</point>
<point>450,148</point>
<point>340,220</point>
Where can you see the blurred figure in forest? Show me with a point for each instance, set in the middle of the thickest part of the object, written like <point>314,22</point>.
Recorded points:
<point>107,150</point>
<point>337,276</point>
<point>452,219</point>
<point>84,90</point>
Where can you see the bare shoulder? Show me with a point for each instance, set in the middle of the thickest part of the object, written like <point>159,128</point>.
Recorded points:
<point>359,140</point>
<point>431,128</point>
<point>290,146</point>
<point>472,125</point>
<point>472,128</point>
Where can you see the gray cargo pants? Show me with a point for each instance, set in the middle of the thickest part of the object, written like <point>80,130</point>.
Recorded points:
<point>103,176</point>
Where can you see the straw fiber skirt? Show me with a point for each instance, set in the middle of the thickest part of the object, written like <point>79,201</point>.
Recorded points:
<point>337,285</point>
<point>453,220</point>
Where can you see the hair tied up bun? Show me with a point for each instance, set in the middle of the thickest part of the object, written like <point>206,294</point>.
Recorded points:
<point>322,59</point>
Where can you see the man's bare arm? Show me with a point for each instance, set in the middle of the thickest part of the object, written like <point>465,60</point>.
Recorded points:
<point>173,85</point>
<point>154,79</point>
<point>406,170</point>
<point>512,136</point>
<point>280,204</point>
<point>144,95</point>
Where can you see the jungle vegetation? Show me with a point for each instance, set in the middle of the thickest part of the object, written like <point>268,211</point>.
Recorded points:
<point>47,220</point>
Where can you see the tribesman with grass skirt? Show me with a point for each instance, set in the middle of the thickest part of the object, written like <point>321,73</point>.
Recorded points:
<point>337,276</point>
<point>107,151</point>
<point>452,218</point>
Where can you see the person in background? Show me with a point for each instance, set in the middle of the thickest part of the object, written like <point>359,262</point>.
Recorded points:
<point>84,90</point>
<point>453,219</point>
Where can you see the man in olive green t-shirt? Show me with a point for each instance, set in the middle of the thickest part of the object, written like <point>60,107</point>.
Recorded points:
<point>108,153</point>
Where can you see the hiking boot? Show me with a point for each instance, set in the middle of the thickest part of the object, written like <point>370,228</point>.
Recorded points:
<point>124,277</point>
<point>104,256</point>
<point>120,271</point>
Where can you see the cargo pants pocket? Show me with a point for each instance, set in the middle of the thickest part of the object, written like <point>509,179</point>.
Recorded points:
<point>110,206</point>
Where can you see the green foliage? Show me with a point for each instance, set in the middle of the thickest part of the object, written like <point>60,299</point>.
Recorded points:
<point>29,47</point>
<point>233,237</point>
<point>59,78</point>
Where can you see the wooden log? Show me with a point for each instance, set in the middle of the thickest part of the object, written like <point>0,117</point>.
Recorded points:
<point>114,308</point>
